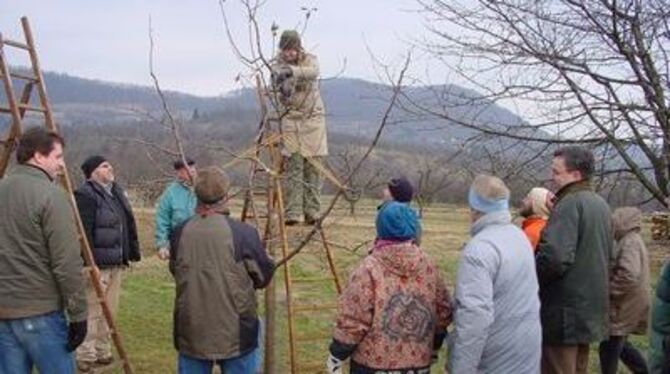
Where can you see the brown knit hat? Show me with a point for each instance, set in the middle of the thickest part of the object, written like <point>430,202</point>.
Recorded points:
<point>212,185</point>
<point>290,39</point>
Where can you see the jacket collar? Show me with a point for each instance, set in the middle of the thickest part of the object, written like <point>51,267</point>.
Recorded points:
<point>34,171</point>
<point>582,185</point>
<point>100,188</point>
<point>492,219</point>
<point>208,210</point>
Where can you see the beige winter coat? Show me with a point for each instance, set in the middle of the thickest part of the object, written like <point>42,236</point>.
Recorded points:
<point>629,278</point>
<point>303,123</point>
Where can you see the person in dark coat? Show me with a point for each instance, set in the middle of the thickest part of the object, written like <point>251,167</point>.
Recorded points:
<point>572,266</point>
<point>629,294</point>
<point>43,290</point>
<point>659,331</point>
<point>112,234</point>
<point>217,263</point>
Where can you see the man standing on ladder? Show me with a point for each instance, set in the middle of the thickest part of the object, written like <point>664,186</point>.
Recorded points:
<point>40,263</point>
<point>296,76</point>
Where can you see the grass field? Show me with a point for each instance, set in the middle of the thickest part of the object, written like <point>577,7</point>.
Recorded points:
<point>145,314</point>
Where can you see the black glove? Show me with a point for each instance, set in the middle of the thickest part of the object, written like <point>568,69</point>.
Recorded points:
<point>76,335</point>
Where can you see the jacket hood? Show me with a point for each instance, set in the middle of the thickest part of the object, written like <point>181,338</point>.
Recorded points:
<point>403,258</point>
<point>538,197</point>
<point>626,220</point>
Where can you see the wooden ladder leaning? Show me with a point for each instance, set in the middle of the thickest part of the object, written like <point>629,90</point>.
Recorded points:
<point>17,110</point>
<point>265,184</point>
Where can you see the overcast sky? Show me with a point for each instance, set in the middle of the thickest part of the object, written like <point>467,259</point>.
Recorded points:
<point>108,40</point>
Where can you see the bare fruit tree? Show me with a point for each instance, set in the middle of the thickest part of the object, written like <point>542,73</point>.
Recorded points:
<point>370,177</point>
<point>435,176</point>
<point>584,72</point>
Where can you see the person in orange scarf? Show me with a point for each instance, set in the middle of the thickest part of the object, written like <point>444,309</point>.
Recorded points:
<point>535,209</point>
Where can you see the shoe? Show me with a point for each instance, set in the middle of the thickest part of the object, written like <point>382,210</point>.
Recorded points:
<point>85,366</point>
<point>290,222</point>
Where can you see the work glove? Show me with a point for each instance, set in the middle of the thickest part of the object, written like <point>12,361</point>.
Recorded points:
<point>163,253</point>
<point>281,73</point>
<point>76,334</point>
<point>334,365</point>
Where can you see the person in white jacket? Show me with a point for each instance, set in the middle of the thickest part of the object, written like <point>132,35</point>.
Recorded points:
<point>497,308</point>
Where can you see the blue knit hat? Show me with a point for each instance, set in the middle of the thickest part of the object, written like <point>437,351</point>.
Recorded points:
<point>396,221</point>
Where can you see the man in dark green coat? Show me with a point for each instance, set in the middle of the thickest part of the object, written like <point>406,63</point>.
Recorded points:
<point>572,265</point>
<point>659,332</point>
<point>42,287</point>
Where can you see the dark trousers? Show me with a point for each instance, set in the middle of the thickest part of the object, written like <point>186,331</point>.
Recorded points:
<point>617,347</point>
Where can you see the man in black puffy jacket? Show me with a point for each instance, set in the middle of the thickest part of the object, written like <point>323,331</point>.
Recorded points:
<point>112,234</point>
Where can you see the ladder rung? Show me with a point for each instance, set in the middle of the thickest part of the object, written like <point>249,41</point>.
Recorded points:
<point>24,107</point>
<point>24,77</point>
<point>15,44</point>
<point>312,280</point>
<point>31,108</point>
<point>313,308</point>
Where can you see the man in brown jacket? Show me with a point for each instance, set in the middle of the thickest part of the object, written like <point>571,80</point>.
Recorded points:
<point>217,263</point>
<point>40,263</point>
<point>296,74</point>
<point>629,294</point>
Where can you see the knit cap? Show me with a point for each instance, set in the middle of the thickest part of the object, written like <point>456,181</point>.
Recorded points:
<point>290,39</point>
<point>396,221</point>
<point>401,189</point>
<point>90,164</point>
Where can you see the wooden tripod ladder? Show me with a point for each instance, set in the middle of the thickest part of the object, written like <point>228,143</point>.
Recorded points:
<point>265,184</point>
<point>17,110</point>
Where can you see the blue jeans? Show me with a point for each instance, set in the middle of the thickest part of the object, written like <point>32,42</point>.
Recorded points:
<point>35,342</point>
<point>246,364</point>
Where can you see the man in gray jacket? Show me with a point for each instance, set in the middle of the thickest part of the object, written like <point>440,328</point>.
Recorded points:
<point>40,263</point>
<point>497,309</point>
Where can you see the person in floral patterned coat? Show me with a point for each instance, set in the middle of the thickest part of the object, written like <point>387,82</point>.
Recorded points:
<point>393,314</point>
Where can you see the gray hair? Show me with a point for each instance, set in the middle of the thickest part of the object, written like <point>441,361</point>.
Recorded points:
<point>490,187</point>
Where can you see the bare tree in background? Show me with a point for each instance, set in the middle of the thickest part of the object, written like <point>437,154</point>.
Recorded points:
<point>368,179</point>
<point>434,177</point>
<point>586,72</point>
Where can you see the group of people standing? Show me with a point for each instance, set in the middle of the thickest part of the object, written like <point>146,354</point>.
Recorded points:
<point>51,317</point>
<point>528,299</point>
